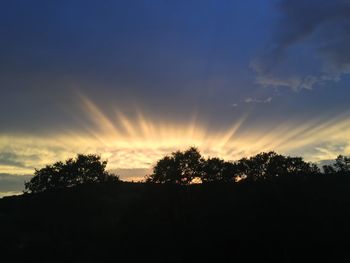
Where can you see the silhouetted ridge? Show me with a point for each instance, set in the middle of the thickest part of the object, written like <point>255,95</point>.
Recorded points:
<point>283,219</point>
<point>267,208</point>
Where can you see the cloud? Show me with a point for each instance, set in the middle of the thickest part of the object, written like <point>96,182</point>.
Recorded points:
<point>13,159</point>
<point>132,174</point>
<point>253,100</point>
<point>10,159</point>
<point>11,184</point>
<point>311,45</point>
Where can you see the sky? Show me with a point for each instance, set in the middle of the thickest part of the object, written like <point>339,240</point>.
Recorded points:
<point>135,80</point>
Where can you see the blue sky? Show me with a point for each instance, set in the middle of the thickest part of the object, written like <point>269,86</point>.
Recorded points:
<point>134,80</point>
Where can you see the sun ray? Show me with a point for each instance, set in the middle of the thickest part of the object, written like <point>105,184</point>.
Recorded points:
<point>137,141</point>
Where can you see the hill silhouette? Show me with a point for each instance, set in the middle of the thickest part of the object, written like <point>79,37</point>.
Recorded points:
<point>280,219</point>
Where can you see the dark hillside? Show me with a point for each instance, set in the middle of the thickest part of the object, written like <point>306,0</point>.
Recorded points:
<point>290,219</point>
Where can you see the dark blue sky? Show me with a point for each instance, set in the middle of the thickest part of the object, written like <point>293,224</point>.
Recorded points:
<point>278,65</point>
<point>203,54</point>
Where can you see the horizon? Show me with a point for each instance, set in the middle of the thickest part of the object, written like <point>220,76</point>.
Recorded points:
<point>141,175</point>
<point>134,81</point>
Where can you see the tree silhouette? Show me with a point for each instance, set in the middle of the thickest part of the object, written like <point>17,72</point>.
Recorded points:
<point>328,169</point>
<point>217,170</point>
<point>268,165</point>
<point>83,169</point>
<point>184,167</point>
<point>229,172</point>
<point>212,170</point>
<point>297,166</point>
<point>179,168</point>
<point>342,164</point>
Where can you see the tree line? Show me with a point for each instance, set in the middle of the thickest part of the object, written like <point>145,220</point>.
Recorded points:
<point>186,167</point>
<point>183,168</point>
<point>190,166</point>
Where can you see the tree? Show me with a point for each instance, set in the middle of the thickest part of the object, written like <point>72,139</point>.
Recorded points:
<point>179,168</point>
<point>166,170</point>
<point>297,166</point>
<point>342,164</point>
<point>328,169</point>
<point>184,167</point>
<point>267,165</point>
<point>217,170</point>
<point>212,170</point>
<point>81,170</point>
<point>262,166</point>
<point>229,172</point>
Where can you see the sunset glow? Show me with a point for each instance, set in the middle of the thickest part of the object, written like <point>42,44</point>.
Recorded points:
<point>134,82</point>
<point>133,145</point>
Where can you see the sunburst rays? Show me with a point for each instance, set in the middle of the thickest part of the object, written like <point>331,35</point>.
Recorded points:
<point>137,141</point>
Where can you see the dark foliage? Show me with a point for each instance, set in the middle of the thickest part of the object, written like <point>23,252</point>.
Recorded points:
<point>270,164</point>
<point>81,170</point>
<point>340,165</point>
<point>185,167</point>
<point>179,168</point>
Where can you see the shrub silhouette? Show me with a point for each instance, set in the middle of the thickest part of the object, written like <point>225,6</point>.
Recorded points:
<point>83,169</point>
